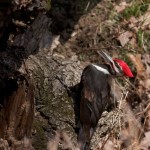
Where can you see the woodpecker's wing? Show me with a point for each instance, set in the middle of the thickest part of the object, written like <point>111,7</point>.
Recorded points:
<point>94,94</point>
<point>89,116</point>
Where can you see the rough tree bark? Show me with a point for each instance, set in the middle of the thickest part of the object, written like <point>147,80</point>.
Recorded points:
<point>54,108</point>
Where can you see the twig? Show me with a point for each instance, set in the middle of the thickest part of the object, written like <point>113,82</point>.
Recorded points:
<point>144,111</point>
<point>105,141</point>
<point>143,42</point>
<point>87,6</point>
<point>122,99</point>
<point>130,83</point>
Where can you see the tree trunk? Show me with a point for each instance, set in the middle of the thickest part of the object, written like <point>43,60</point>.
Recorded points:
<point>49,70</point>
<point>16,113</point>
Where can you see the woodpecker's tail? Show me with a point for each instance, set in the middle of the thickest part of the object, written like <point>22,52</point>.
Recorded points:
<point>84,137</point>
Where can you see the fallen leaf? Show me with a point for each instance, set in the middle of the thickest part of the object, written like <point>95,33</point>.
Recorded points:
<point>109,145</point>
<point>121,7</point>
<point>145,143</point>
<point>125,37</point>
<point>133,24</point>
<point>145,19</point>
<point>147,123</point>
<point>133,20</point>
<point>55,42</point>
<point>133,42</point>
<point>125,139</point>
<point>136,60</point>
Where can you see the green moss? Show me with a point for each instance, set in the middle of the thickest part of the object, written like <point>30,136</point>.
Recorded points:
<point>57,107</point>
<point>47,97</point>
<point>137,9</point>
<point>139,37</point>
<point>39,140</point>
<point>46,5</point>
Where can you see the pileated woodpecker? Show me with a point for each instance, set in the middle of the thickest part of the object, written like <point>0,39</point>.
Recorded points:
<point>95,86</point>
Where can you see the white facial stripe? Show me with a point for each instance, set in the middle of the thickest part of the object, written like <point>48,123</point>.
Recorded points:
<point>116,69</point>
<point>120,68</point>
<point>101,69</point>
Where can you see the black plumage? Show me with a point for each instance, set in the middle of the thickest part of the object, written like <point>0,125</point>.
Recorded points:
<point>95,88</point>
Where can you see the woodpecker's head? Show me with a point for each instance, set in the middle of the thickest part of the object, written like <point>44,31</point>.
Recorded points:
<point>118,67</point>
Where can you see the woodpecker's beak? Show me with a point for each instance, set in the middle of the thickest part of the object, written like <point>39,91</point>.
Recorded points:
<point>105,56</point>
<point>109,60</point>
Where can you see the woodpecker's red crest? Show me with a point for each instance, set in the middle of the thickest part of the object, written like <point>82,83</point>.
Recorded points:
<point>125,68</point>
